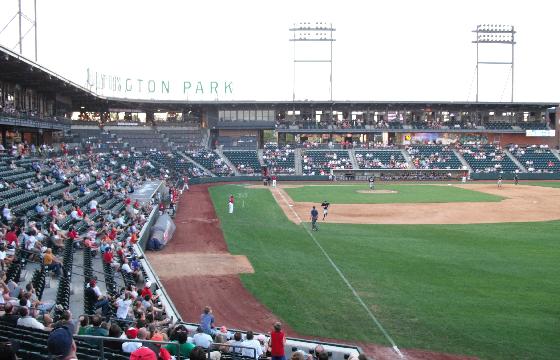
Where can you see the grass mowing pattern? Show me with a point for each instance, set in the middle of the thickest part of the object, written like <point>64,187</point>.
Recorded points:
<point>489,290</point>
<point>347,194</point>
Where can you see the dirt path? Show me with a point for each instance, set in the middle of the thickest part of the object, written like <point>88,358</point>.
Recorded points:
<point>191,272</point>
<point>191,276</point>
<point>522,204</point>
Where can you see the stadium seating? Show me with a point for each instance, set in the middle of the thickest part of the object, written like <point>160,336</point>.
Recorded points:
<point>211,161</point>
<point>279,161</point>
<point>434,157</point>
<point>537,159</point>
<point>487,159</point>
<point>141,140</point>
<point>184,138</point>
<point>320,162</point>
<point>246,161</point>
<point>380,159</point>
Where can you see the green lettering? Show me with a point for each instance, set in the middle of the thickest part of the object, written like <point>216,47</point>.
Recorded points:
<point>186,86</point>
<point>227,86</point>
<point>151,86</point>
<point>214,87</point>
<point>199,87</point>
<point>165,86</point>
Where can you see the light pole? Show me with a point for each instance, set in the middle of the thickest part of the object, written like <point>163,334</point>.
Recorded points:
<point>309,32</point>
<point>493,34</point>
<point>20,15</point>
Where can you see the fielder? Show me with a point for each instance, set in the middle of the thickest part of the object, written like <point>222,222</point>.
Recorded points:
<point>500,180</point>
<point>371,181</point>
<point>230,203</point>
<point>325,205</point>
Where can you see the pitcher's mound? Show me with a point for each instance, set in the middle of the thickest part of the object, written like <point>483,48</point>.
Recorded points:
<point>377,191</point>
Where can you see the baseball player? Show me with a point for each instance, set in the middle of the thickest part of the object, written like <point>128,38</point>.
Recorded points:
<point>371,181</point>
<point>500,180</point>
<point>516,179</point>
<point>325,205</point>
<point>314,217</point>
<point>230,203</point>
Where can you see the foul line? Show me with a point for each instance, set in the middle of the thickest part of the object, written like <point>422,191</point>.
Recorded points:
<point>393,344</point>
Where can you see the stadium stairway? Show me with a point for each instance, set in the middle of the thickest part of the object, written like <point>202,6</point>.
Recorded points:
<point>297,161</point>
<point>226,160</point>
<point>462,160</point>
<point>260,157</point>
<point>352,155</point>
<point>408,159</point>
<point>555,152</point>
<point>515,161</point>
<point>206,171</point>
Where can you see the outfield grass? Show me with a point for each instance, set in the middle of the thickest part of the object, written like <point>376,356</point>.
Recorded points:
<point>489,290</point>
<point>348,194</point>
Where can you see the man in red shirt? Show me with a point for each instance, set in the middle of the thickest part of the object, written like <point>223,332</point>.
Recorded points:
<point>277,343</point>
<point>11,237</point>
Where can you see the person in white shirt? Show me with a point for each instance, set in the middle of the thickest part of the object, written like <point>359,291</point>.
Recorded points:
<point>7,213</point>
<point>126,268</point>
<point>251,344</point>
<point>123,305</point>
<point>93,206</point>
<point>202,339</point>
<point>74,214</point>
<point>28,321</point>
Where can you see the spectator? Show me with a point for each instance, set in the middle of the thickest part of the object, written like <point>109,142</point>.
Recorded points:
<point>61,344</point>
<point>9,316</point>
<point>202,339</point>
<point>95,329</point>
<point>207,321</point>
<point>181,337</point>
<point>277,343</point>
<point>27,320</point>
<point>252,348</point>
<point>131,346</point>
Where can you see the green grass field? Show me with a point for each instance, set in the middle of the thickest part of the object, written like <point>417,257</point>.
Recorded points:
<point>487,290</point>
<point>348,194</point>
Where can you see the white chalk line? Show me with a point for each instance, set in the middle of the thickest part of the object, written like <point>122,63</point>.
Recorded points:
<point>343,277</point>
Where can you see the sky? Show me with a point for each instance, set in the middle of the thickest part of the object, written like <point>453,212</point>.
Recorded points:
<point>400,50</point>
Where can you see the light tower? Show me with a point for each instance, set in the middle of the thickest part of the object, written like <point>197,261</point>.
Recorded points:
<point>493,35</point>
<point>21,16</point>
<point>313,33</point>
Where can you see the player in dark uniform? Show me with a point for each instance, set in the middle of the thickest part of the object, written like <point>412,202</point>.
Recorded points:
<point>314,217</point>
<point>516,179</point>
<point>325,205</point>
<point>500,180</point>
<point>371,181</point>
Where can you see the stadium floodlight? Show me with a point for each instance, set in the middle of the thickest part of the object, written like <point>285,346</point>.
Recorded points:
<point>21,16</point>
<point>317,31</point>
<point>495,34</point>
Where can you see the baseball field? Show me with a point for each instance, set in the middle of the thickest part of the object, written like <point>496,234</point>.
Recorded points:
<point>460,269</point>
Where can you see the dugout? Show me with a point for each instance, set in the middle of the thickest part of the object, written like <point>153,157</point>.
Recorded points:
<point>161,233</point>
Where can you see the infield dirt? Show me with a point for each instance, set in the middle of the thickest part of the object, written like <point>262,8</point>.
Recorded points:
<point>522,204</point>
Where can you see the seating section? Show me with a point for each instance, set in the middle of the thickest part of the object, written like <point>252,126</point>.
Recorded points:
<point>320,162</point>
<point>141,140</point>
<point>536,159</point>
<point>96,140</point>
<point>279,161</point>
<point>433,157</point>
<point>381,159</point>
<point>184,139</point>
<point>237,142</point>
<point>246,161</point>
<point>534,125</point>
<point>487,159</point>
<point>211,161</point>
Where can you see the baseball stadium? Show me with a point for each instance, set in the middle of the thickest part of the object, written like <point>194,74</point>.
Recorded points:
<point>146,228</point>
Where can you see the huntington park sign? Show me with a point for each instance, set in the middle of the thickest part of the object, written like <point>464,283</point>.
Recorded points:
<point>126,86</point>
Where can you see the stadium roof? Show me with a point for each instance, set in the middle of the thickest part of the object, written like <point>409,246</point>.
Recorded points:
<point>18,69</point>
